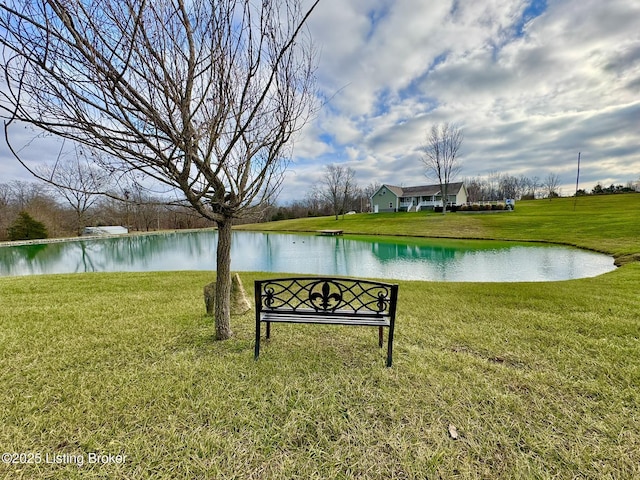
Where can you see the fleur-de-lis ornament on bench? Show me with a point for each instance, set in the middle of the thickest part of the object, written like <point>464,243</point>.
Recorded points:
<point>325,300</point>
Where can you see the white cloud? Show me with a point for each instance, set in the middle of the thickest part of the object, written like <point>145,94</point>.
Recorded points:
<point>531,91</point>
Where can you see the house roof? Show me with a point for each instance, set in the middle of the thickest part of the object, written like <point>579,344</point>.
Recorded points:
<point>423,190</point>
<point>396,190</point>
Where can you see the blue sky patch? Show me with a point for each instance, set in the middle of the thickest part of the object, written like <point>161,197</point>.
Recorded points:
<point>533,10</point>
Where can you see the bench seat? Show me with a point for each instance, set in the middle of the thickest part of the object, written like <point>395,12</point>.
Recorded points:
<point>330,320</point>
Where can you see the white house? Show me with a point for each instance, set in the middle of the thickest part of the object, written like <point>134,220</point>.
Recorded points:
<point>389,198</point>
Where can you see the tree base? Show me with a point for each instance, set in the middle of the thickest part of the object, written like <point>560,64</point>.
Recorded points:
<point>240,304</point>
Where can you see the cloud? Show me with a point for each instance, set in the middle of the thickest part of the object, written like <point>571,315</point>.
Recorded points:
<point>532,83</point>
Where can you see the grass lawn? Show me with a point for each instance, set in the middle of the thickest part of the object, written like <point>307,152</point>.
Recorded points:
<point>539,379</point>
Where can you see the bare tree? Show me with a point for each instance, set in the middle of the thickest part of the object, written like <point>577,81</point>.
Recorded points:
<point>475,187</point>
<point>339,187</point>
<point>524,184</point>
<point>368,192</point>
<point>509,186</point>
<point>200,96</point>
<point>492,191</point>
<point>142,211</point>
<point>24,193</point>
<point>31,197</point>
<point>314,200</point>
<point>441,156</point>
<point>77,180</point>
<point>534,186</point>
<point>551,185</point>
<point>5,201</point>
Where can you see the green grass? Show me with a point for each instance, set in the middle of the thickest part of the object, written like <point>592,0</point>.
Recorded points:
<point>540,379</point>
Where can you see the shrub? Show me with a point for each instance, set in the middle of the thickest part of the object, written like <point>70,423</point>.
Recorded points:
<point>26,227</point>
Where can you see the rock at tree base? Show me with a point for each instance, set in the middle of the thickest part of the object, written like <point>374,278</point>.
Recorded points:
<point>239,302</point>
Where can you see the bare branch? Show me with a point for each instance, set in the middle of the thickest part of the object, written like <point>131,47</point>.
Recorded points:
<point>441,156</point>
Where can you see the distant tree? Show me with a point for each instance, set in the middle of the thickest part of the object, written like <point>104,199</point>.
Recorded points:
<point>550,184</point>
<point>441,156</point>
<point>338,187</point>
<point>598,189</point>
<point>522,186</point>
<point>509,186</point>
<point>23,194</point>
<point>5,201</point>
<point>534,186</point>
<point>31,197</point>
<point>368,192</point>
<point>78,182</point>
<point>492,190</point>
<point>474,188</point>
<point>314,201</point>
<point>26,227</point>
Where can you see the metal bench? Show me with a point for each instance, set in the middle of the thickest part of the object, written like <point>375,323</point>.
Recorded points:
<point>326,300</point>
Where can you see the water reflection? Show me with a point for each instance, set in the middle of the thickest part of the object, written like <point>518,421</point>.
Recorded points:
<point>306,254</point>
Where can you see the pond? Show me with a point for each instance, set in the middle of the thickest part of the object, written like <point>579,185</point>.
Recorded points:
<point>392,258</point>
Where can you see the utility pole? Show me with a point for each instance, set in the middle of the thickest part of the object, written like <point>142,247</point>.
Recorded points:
<point>575,198</point>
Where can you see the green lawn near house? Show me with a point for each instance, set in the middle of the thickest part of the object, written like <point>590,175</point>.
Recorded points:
<point>538,379</point>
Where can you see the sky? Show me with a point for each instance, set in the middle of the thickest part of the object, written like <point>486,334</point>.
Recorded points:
<point>530,82</point>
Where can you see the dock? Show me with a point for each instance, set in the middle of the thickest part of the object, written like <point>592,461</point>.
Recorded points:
<point>331,233</point>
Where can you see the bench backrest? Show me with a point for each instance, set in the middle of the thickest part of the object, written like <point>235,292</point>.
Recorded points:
<point>326,296</point>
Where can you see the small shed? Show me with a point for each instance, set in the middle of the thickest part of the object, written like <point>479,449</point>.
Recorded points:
<point>105,230</point>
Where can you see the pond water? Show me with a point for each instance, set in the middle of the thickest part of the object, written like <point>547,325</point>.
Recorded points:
<point>397,258</point>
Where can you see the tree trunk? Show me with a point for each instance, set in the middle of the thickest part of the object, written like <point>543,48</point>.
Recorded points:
<point>444,193</point>
<point>223,281</point>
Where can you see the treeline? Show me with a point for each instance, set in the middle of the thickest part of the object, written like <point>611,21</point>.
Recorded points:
<point>490,188</point>
<point>497,186</point>
<point>67,215</point>
<point>319,202</point>
<point>611,189</point>
<point>63,218</point>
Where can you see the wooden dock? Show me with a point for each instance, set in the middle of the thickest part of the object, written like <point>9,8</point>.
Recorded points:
<point>331,233</point>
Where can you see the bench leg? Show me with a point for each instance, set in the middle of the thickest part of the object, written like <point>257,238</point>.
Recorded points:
<point>258,327</point>
<point>257,349</point>
<point>380,336</point>
<point>390,347</point>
